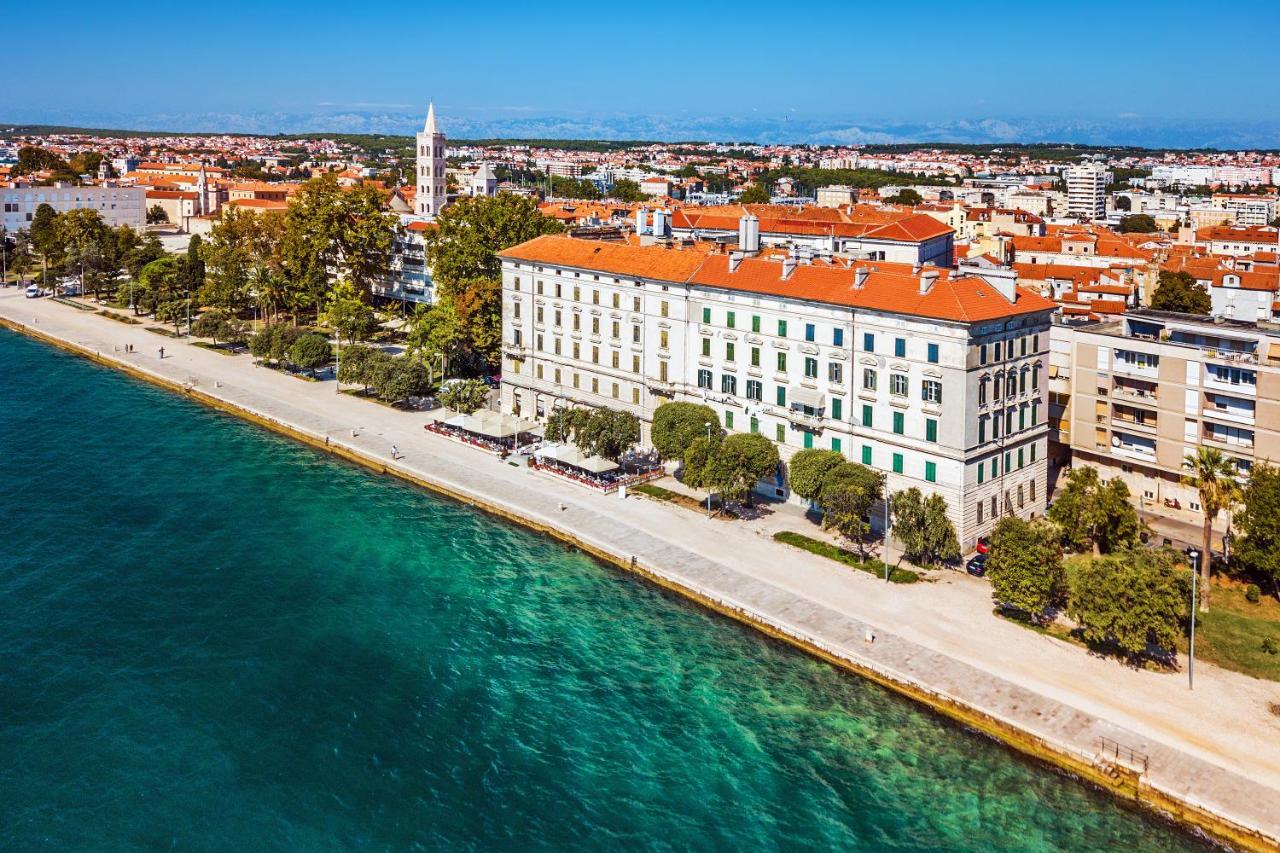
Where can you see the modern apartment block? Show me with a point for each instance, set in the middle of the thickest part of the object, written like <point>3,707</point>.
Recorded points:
<point>1086,191</point>
<point>116,205</point>
<point>933,376</point>
<point>1135,394</point>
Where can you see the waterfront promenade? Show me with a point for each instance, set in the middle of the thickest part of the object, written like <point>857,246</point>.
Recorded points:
<point>1218,747</point>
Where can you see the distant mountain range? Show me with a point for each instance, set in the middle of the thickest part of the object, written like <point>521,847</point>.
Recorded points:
<point>475,124</point>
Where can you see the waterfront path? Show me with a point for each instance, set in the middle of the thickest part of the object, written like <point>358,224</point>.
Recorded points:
<point>1217,748</point>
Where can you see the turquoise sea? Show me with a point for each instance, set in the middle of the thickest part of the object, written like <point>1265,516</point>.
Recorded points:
<point>216,639</point>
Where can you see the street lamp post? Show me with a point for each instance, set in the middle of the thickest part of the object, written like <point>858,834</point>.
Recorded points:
<point>708,426</point>
<point>886,536</point>
<point>1194,554</point>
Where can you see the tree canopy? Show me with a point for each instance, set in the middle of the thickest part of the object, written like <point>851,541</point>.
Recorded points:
<point>922,526</point>
<point>1025,566</point>
<point>1213,475</point>
<point>1138,223</point>
<point>732,465</point>
<point>471,232</point>
<point>1258,548</point>
<point>464,395</point>
<point>1092,513</point>
<point>1179,291</point>
<point>677,425</point>
<point>607,433</point>
<point>848,493</point>
<point>757,193</point>
<point>1135,602</point>
<point>808,468</point>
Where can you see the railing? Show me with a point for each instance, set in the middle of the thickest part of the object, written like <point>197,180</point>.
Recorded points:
<point>1113,750</point>
<point>796,416</point>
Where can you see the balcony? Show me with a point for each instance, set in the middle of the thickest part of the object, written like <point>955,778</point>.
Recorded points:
<point>1137,396</point>
<point>517,351</point>
<point>1146,426</point>
<point>661,386</point>
<point>799,417</point>
<point>1229,414</point>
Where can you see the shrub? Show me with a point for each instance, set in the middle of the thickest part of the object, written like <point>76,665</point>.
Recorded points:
<point>1269,646</point>
<point>310,351</point>
<point>1252,594</point>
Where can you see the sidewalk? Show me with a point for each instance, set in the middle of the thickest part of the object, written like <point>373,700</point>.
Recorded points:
<point>1218,746</point>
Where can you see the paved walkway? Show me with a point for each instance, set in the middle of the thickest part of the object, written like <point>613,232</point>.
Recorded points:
<point>1218,746</point>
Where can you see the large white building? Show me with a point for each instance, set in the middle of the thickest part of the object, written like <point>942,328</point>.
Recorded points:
<point>116,205</point>
<point>431,195</point>
<point>1086,191</point>
<point>933,376</point>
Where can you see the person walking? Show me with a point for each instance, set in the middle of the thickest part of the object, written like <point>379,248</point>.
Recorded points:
<point>395,452</point>
<point>162,352</point>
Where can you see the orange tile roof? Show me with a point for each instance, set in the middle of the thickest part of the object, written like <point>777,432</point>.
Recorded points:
<point>861,220</point>
<point>888,287</point>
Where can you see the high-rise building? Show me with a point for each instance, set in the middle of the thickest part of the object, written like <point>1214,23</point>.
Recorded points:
<point>1086,191</point>
<point>431,197</point>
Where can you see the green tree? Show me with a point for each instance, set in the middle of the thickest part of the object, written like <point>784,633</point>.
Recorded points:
<point>354,367</point>
<point>564,422</point>
<point>45,236</point>
<point>1095,514</point>
<point>1213,475</point>
<point>626,190</point>
<point>274,341</point>
<point>464,395</point>
<point>310,351</point>
<point>1135,601</point>
<point>922,526</point>
<point>144,252</point>
<point>807,468</point>
<point>470,234</point>
<point>562,187</point>
<point>33,159</point>
<point>217,324</point>
<point>1138,223</point>
<point>435,331</point>
<point>193,270</point>
<point>1025,566</point>
<point>157,215</point>
<point>89,247</point>
<point>173,311</point>
<point>347,313</point>
<point>1259,521</point>
<point>157,284</point>
<point>757,193</point>
<point>905,196</point>
<point>607,433</point>
<point>398,379</point>
<point>736,463</point>
<point>1180,292</point>
<point>678,425</point>
<point>848,494</point>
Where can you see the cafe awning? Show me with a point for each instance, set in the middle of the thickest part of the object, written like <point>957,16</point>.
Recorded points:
<point>575,458</point>
<point>493,424</point>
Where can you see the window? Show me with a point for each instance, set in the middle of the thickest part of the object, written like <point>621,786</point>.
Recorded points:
<point>729,319</point>
<point>982,391</point>
<point>635,396</point>
<point>866,454</point>
<point>979,508</point>
<point>1010,384</point>
<point>576,356</point>
<point>835,371</point>
<point>663,339</point>
<point>755,424</point>
<point>615,356</point>
<point>933,353</point>
<point>1008,461</point>
<point>931,391</point>
<point>755,322</point>
<point>537,315</point>
<point>706,346</point>
<point>1022,417</point>
<point>635,334</point>
<point>837,337</point>
<point>781,433</point>
<point>558,317</point>
<point>899,423</point>
<point>729,352</point>
<point>616,330</point>
<point>704,378</point>
<point>869,378</point>
<point>729,384</point>
<point>577,293</point>
<point>755,356</point>
<point>595,355</point>
<point>663,308</point>
<point>1031,486</point>
<point>981,468</point>
<point>706,315</point>
<point>515,310</point>
<point>595,325</point>
<point>810,368</point>
<point>837,408</point>
<point>615,390</point>
<point>810,332</point>
<point>635,364</point>
<point>997,350</point>
<point>931,429</point>
<point>1021,503</point>
<point>808,439</point>
<point>617,300</point>
<point>635,303</point>
<point>995,467</point>
<point>755,389</point>
<point>1035,378</point>
<point>982,430</point>
<point>835,444</point>
<point>1022,346</point>
<point>900,347</point>
<point>1033,452</point>
<point>1022,381</point>
<point>931,472</point>
<point>866,416</point>
<point>897,463</point>
<point>782,328</point>
<point>868,342</point>
<point>898,384</point>
<point>781,395</point>
<point>982,354</point>
<point>728,419</point>
<point>782,362</point>
<point>1020,462</point>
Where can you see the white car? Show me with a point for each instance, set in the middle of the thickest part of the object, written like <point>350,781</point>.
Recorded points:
<point>33,291</point>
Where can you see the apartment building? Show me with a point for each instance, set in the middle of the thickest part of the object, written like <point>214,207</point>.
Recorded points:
<point>933,376</point>
<point>1086,191</point>
<point>1135,394</point>
<point>409,278</point>
<point>116,205</point>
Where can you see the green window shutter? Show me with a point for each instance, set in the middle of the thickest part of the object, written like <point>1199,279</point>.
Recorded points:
<point>808,439</point>
<point>866,454</point>
<point>729,319</point>
<point>897,463</point>
<point>782,434</point>
<point>898,422</point>
<point>837,408</point>
<point>931,429</point>
<point>755,424</point>
<point>782,395</point>
<point>728,420</point>
<point>981,468</point>
<point>866,416</point>
<point>835,444</point>
<point>782,328</point>
<point>1020,462</point>
<point>755,322</point>
<point>706,315</point>
<point>931,472</point>
<point>1033,453</point>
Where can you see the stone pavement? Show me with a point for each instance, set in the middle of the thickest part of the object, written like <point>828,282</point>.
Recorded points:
<point>1218,746</point>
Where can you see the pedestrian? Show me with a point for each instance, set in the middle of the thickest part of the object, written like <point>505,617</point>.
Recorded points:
<point>870,637</point>
<point>395,452</point>
<point>161,352</point>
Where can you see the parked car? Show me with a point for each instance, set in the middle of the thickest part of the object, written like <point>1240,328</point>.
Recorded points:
<point>977,565</point>
<point>33,290</point>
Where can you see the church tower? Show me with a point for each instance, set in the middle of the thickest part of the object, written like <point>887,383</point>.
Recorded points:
<point>431,198</point>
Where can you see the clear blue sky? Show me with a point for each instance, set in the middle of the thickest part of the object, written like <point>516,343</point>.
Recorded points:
<point>896,61</point>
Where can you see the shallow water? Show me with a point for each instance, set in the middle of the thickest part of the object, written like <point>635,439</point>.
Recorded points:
<point>214,638</point>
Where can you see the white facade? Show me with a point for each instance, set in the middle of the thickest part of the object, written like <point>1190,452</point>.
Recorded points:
<point>926,401</point>
<point>431,196</point>
<point>1086,191</point>
<point>116,205</point>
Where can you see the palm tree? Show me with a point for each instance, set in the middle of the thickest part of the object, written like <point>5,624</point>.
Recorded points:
<point>1213,474</point>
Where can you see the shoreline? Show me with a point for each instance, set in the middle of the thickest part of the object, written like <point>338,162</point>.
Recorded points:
<point>1115,778</point>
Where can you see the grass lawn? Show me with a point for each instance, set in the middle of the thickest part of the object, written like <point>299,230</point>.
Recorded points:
<point>842,555</point>
<point>120,318</point>
<point>697,505</point>
<point>162,331</point>
<point>218,348</point>
<point>1232,633</point>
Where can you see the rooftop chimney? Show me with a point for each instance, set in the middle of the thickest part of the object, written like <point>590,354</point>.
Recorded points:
<point>641,225</point>
<point>749,233</point>
<point>860,277</point>
<point>927,280</point>
<point>735,261</point>
<point>788,267</point>
<point>1003,280</point>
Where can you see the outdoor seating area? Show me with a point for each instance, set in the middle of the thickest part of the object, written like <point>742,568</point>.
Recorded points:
<point>486,430</point>
<point>566,461</point>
